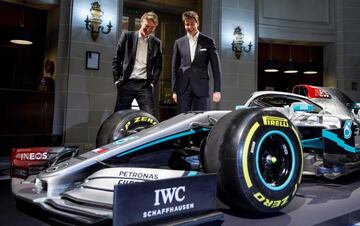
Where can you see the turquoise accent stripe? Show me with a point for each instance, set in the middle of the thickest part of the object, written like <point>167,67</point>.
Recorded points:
<point>172,137</point>
<point>334,137</point>
<point>192,173</point>
<point>316,143</point>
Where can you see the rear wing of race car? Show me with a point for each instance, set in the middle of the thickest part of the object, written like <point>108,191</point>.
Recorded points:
<point>310,91</point>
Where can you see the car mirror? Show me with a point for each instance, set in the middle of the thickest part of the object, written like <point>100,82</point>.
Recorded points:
<point>355,109</point>
<point>355,106</point>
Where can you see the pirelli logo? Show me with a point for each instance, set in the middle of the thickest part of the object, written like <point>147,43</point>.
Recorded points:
<point>275,121</point>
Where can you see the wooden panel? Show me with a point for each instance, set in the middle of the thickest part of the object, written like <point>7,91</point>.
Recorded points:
<point>25,116</point>
<point>170,31</point>
<point>21,66</point>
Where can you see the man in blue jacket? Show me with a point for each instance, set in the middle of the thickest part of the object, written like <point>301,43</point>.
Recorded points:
<point>190,78</point>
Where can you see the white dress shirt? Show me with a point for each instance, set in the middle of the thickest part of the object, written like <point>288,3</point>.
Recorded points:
<point>192,43</point>
<point>139,71</point>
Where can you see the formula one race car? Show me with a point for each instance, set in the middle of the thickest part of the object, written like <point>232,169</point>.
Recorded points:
<point>258,151</point>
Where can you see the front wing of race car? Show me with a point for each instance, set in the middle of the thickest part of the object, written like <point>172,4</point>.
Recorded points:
<point>91,201</point>
<point>81,189</point>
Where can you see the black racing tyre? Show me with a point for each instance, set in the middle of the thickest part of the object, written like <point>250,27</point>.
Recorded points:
<point>257,155</point>
<point>122,124</point>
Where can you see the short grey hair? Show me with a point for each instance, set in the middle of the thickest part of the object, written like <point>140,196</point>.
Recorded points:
<point>150,16</point>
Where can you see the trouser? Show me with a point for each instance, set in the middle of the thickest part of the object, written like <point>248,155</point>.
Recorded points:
<point>135,89</point>
<point>188,99</point>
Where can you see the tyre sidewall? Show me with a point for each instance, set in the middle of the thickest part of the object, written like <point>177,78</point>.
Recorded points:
<point>117,124</point>
<point>239,181</point>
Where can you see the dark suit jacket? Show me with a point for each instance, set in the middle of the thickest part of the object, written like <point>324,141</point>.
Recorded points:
<point>124,60</point>
<point>183,69</point>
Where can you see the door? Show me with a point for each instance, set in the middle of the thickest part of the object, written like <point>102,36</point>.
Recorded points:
<point>170,31</point>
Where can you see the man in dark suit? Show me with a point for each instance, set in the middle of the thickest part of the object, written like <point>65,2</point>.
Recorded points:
<point>137,65</point>
<point>190,78</point>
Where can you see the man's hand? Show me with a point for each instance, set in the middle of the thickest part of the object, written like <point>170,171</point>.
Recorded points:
<point>216,97</point>
<point>174,97</point>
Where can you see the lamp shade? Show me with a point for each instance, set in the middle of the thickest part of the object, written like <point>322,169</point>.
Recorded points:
<point>21,37</point>
<point>310,68</point>
<point>291,68</point>
<point>271,66</point>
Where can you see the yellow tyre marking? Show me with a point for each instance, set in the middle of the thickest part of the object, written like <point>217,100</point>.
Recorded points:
<point>245,154</point>
<point>301,153</point>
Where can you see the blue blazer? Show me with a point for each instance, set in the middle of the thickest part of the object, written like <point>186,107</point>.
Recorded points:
<point>183,69</point>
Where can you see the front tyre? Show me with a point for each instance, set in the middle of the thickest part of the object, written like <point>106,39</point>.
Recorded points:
<point>258,157</point>
<point>123,123</point>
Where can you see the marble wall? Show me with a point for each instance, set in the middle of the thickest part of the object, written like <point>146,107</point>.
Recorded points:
<point>342,58</point>
<point>239,75</point>
<point>84,98</point>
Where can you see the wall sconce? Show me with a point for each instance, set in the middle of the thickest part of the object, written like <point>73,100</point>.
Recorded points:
<point>94,23</point>
<point>238,41</point>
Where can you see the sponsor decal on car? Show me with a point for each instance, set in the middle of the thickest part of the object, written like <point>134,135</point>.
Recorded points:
<point>347,129</point>
<point>270,203</point>
<point>319,93</point>
<point>32,156</point>
<point>164,198</point>
<point>129,177</point>
<point>139,175</point>
<point>249,149</point>
<point>314,92</point>
<point>275,121</point>
<point>173,196</point>
<point>138,120</point>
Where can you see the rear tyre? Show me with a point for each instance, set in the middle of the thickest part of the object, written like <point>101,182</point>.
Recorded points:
<point>258,158</point>
<point>122,124</point>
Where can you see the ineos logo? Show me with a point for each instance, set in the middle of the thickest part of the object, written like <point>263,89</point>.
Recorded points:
<point>168,194</point>
<point>57,167</point>
<point>32,156</point>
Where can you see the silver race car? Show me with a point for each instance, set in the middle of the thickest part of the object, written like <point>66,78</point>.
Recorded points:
<point>258,151</point>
